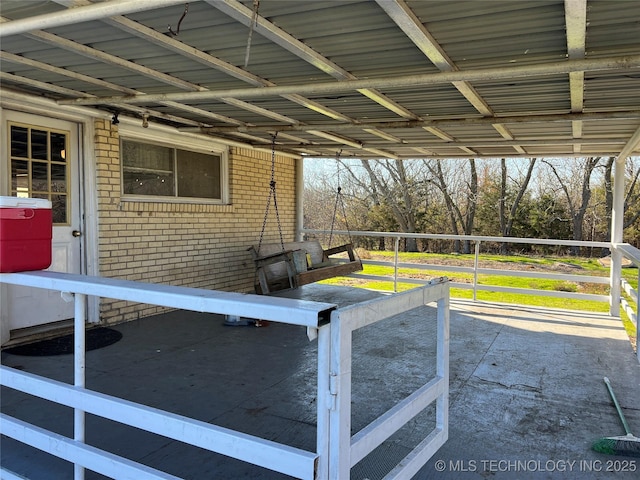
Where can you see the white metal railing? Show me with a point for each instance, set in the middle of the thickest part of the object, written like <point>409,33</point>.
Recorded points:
<point>332,328</point>
<point>615,280</point>
<point>633,254</point>
<point>475,270</point>
<point>348,450</point>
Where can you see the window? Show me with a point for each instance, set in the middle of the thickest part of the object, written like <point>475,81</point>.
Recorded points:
<point>39,167</point>
<point>163,171</point>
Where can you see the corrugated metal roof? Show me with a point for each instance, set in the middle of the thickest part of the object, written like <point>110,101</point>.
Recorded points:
<point>306,45</point>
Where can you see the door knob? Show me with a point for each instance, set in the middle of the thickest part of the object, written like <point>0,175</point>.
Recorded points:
<point>76,233</point>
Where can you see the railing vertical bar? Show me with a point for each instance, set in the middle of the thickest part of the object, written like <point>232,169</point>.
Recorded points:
<point>615,274</point>
<point>324,402</point>
<point>395,264</point>
<point>638,317</point>
<point>79,374</point>
<point>340,387</point>
<point>442,362</point>
<point>475,270</point>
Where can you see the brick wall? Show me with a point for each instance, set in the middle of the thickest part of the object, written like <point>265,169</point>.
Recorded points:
<point>195,245</point>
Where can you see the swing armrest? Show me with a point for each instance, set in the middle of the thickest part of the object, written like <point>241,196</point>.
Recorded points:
<point>342,248</point>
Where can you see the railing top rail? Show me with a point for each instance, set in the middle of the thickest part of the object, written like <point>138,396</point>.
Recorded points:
<point>471,238</point>
<point>629,251</point>
<point>283,310</point>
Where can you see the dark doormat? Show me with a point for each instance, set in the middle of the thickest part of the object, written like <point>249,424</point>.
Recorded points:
<point>95,338</point>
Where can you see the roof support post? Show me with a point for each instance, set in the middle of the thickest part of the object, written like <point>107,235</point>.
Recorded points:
<point>617,225</point>
<point>617,220</point>
<point>299,198</point>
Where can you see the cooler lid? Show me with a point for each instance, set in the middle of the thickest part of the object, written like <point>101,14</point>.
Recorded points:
<point>21,202</point>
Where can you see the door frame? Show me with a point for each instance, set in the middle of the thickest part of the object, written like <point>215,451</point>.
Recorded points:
<point>88,195</point>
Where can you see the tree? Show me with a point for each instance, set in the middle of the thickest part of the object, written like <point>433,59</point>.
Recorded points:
<point>460,195</point>
<point>501,195</point>
<point>575,183</point>
<point>391,181</point>
<point>508,215</point>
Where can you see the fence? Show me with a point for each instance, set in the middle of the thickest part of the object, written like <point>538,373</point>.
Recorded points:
<point>614,280</point>
<point>335,450</point>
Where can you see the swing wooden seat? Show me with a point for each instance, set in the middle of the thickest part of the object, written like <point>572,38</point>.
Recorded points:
<point>293,264</point>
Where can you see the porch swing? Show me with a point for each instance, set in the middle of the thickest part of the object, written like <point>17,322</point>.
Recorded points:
<point>289,265</point>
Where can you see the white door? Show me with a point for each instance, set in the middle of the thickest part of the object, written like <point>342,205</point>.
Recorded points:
<point>40,155</point>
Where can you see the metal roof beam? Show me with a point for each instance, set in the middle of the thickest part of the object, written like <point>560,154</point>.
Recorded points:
<point>632,145</point>
<point>50,88</point>
<point>404,17</point>
<point>244,15</point>
<point>87,13</point>
<point>625,62</point>
<point>362,154</point>
<point>80,49</point>
<point>576,26</point>
<point>117,61</point>
<point>20,60</point>
<point>411,25</point>
<point>187,51</point>
<point>471,143</point>
<point>452,122</point>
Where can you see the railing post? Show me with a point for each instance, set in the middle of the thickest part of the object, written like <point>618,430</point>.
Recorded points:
<point>325,402</point>
<point>475,270</point>
<point>79,373</point>
<point>395,264</point>
<point>615,277</point>
<point>442,362</point>
<point>638,317</point>
<point>340,390</point>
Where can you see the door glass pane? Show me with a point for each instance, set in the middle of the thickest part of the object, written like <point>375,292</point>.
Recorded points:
<point>58,178</point>
<point>40,176</point>
<point>20,178</point>
<point>59,208</point>
<point>19,141</point>
<point>39,167</point>
<point>58,147</point>
<point>39,145</point>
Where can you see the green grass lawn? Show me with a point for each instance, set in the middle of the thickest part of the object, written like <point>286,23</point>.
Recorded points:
<point>586,266</point>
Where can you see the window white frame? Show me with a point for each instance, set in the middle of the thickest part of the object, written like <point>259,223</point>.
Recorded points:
<point>171,139</point>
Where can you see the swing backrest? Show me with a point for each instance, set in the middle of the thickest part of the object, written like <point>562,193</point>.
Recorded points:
<point>310,247</point>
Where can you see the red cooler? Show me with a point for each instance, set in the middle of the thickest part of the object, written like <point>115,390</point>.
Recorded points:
<point>25,234</point>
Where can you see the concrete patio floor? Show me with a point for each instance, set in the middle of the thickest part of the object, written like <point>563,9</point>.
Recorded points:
<point>527,395</point>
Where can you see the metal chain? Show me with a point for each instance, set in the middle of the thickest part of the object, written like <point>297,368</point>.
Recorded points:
<point>339,199</point>
<point>272,193</point>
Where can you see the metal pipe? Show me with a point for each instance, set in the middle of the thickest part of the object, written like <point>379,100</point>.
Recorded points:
<point>474,142</point>
<point>81,14</point>
<point>395,265</point>
<point>463,238</point>
<point>406,81</point>
<point>443,122</point>
<point>475,270</point>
